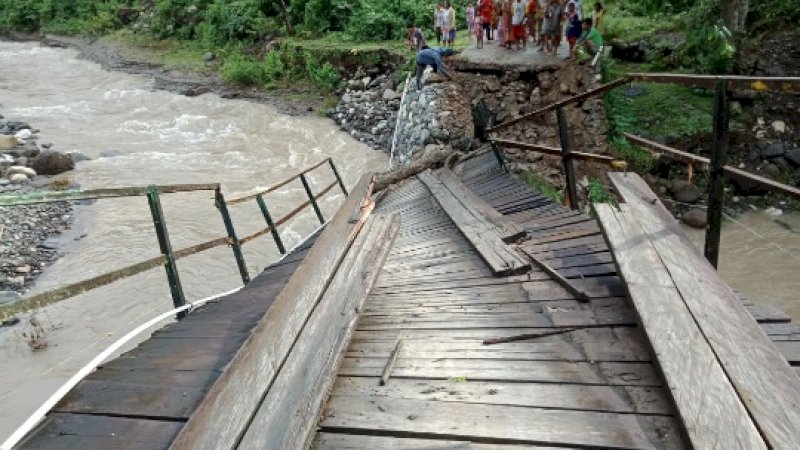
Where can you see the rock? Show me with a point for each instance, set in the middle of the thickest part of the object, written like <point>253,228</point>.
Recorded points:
<point>23,269</point>
<point>52,163</point>
<point>773,211</point>
<point>736,108</point>
<point>773,150</point>
<point>772,170</point>
<point>17,282</point>
<point>24,134</point>
<point>110,153</point>
<point>779,126</point>
<point>793,156</point>
<point>208,56</point>
<point>47,145</point>
<point>27,171</point>
<point>563,88</point>
<point>18,178</point>
<point>127,14</point>
<point>78,157</point>
<point>7,142</point>
<point>687,193</point>
<point>389,94</point>
<point>695,217</point>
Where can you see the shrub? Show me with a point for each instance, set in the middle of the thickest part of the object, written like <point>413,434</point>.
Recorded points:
<point>273,66</point>
<point>240,69</point>
<point>323,76</point>
<point>227,21</point>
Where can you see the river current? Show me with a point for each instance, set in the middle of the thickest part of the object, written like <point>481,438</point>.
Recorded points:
<point>136,135</point>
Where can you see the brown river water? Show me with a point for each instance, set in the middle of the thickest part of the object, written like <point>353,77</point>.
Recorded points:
<point>163,138</point>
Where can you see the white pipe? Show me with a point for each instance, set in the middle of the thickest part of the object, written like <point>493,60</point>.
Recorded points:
<point>39,414</point>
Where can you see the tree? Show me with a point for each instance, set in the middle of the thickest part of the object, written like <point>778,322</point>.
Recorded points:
<point>286,19</point>
<point>734,14</point>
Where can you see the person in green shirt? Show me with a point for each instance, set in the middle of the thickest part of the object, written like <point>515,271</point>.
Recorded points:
<point>590,39</point>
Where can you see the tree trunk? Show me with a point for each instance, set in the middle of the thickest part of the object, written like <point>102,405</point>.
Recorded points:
<point>734,14</point>
<point>286,20</point>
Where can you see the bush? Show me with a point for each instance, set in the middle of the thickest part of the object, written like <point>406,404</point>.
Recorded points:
<point>226,21</point>
<point>240,69</point>
<point>323,76</point>
<point>273,66</point>
<point>708,49</point>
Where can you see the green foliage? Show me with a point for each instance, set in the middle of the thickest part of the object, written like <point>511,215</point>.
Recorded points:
<point>65,16</point>
<point>227,21</point>
<point>544,187</point>
<point>329,15</point>
<point>597,192</point>
<point>708,49</point>
<point>273,66</point>
<point>620,118</point>
<point>766,12</point>
<point>323,76</point>
<point>240,69</point>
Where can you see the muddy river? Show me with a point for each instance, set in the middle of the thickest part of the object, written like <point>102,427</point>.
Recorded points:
<point>136,135</point>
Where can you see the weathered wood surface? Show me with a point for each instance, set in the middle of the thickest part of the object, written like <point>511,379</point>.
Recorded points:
<point>334,441</point>
<point>589,382</point>
<point>480,231</point>
<point>709,407</point>
<point>222,417</point>
<point>287,416</point>
<point>766,384</point>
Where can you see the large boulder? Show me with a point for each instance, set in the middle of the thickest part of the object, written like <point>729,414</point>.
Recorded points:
<point>52,163</point>
<point>695,217</point>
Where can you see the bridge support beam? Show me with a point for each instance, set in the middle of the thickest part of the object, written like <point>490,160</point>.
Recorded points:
<point>719,156</point>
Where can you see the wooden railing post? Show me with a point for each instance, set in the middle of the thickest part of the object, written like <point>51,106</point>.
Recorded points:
<point>271,224</point>
<point>311,198</point>
<point>719,156</point>
<point>569,166</point>
<point>499,157</point>
<point>236,246</point>
<point>160,225</point>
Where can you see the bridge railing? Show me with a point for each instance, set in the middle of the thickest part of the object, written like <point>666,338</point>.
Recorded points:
<point>168,256</point>
<point>718,170</point>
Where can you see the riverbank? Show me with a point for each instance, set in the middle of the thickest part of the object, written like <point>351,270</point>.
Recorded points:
<point>25,231</point>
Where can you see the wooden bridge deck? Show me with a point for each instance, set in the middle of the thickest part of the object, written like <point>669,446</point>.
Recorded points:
<point>584,377</point>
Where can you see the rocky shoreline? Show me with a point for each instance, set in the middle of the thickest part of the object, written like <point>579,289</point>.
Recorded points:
<point>25,231</point>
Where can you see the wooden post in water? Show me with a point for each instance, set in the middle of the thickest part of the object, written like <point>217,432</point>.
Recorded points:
<point>719,156</point>
<point>160,224</point>
<point>569,167</point>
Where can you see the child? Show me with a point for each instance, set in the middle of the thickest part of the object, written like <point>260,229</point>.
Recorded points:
<point>477,28</point>
<point>597,18</point>
<point>501,33</point>
<point>574,28</point>
<point>551,27</point>
<point>531,12</point>
<point>470,19</point>
<point>416,39</point>
<point>437,23</point>
<point>518,24</point>
<point>590,40</point>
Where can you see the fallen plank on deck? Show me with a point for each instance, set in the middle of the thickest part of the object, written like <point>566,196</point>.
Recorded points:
<point>486,236</point>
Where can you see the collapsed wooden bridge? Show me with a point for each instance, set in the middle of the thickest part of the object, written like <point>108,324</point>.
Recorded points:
<point>460,309</point>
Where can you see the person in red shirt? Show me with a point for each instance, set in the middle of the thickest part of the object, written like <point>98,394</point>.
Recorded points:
<point>485,8</point>
<point>531,11</point>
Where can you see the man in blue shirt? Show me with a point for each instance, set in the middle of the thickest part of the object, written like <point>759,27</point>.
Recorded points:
<point>430,57</point>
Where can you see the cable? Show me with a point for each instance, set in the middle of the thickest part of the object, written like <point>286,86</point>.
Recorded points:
<point>42,411</point>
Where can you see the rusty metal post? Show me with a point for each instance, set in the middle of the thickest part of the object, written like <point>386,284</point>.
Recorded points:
<point>311,198</point>
<point>566,158</point>
<point>338,178</point>
<point>236,246</point>
<point>716,188</point>
<point>160,225</point>
<point>271,224</point>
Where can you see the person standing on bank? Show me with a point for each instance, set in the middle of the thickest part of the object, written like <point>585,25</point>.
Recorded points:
<point>485,7</point>
<point>430,57</point>
<point>437,23</point>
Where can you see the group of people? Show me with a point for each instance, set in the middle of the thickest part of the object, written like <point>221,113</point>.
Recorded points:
<point>544,22</point>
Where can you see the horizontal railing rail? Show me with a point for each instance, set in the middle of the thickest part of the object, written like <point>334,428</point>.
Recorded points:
<point>722,85</point>
<point>168,256</point>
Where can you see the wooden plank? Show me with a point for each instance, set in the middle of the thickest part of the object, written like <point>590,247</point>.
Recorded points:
<point>132,400</point>
<point>499,423</point>
<point>221,418</point>
<point>707,404</point>
<point>619,399</point>
<point>765,382</point>
<point>83,432</point>
<point>502,259</point>
<point>605,159</point>
<point>338,441</point>
<point>507,229</point>
<point>288,414</point>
